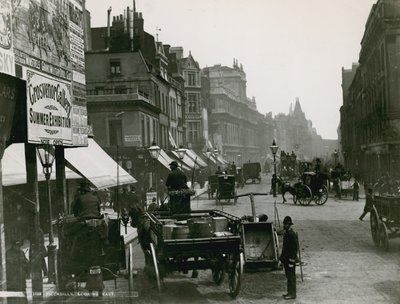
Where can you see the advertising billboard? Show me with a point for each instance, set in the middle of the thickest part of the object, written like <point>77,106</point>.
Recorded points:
<point>49,110</point>
<point>7,59</point>
<point>8,96</point>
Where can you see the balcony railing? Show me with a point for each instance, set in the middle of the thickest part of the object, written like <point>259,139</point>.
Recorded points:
<point>123,93</point>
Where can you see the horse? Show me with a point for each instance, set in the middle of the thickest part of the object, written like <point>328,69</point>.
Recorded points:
<point>284,187</point>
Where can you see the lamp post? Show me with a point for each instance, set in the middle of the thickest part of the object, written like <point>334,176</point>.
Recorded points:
<point>118,115</point>
<point>274,148</point>
<point>181,153</point>
<point>155,153</point>
<point>47,159</point>
<point>336,155</point>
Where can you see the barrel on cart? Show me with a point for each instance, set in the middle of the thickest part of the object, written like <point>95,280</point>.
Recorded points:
<point>385,220</point>
<point>204,239</point>
<point>226,189</point>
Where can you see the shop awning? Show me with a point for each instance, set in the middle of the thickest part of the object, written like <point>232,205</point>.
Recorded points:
<point>186,160</point>
<point>14,167</point>
<point>164,159</point>
<point>97,166</point>
<point>171,140</point>
<point>211,157</point>
<point>194,156</point>
<point>221,160</point>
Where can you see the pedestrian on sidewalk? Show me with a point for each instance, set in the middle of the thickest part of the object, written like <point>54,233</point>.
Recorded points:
<point>356,190</point>
<point>368,203</point>
<point>17,269</point>
<point>289,258</point>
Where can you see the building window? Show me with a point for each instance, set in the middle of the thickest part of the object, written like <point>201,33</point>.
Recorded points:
<point>192,79</point>
<point>115,132</point>
<point>193,132</point>
<point>115,67</point>
<point>120,90</point>
<point>192,102</point>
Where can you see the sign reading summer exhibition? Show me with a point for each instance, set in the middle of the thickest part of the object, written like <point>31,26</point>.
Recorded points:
<point>49,110</point>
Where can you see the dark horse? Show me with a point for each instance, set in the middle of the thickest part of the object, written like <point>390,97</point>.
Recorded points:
<point>285,186</point>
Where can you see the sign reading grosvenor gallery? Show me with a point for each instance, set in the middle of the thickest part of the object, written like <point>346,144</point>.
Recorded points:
<point>49,110</point>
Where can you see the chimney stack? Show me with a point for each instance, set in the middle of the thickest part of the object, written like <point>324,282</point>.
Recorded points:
<point>108,27</point>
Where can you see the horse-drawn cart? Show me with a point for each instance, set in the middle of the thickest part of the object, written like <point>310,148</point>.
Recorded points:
<point>226,189</point>
<point>206,239</point>
<point>385,220</point>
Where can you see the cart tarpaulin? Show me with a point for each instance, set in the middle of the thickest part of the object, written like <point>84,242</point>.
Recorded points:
<point>14,167</point>
<point>97,166</point>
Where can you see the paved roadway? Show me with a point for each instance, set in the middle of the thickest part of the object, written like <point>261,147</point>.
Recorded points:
<point>341,264</point>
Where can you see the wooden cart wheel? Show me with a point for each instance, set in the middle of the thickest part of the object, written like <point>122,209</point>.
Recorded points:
<point>155,265</point>
<point>383,236</point>
<point>304,196</point>
<point>218,275</point>
<point>374,223</point>
<point>236,275</point>
<point>322,196</point>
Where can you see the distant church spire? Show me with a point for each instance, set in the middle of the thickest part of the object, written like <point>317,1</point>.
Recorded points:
<point>291,109</point>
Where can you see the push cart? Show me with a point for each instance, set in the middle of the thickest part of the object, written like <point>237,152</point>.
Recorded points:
<point>260,241</point>
<point>180,243</point>
<point>385,220</point>
<point>226,189</point>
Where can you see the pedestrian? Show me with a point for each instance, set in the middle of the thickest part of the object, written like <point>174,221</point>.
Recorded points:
<point>356,190</point>
<point>177,184</point>
<point>233,169</point>
<point>87,203</point>
<point>219,171</point>
<point>17,267</point>
<point>288,257</point>
<point>368,203</point>
<point>43,250</point>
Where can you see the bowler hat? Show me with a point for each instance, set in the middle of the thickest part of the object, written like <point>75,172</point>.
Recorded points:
<point>174,163</point>
<point>287,220</point>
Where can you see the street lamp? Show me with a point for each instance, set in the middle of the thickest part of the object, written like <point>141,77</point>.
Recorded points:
<point>181,153</point>
<point>118,115</point>
<point>155,153</point>
<point>336,155</point>
<point>274,148</point>
<point>47,159</point>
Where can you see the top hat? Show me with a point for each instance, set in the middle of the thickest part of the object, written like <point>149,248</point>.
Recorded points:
<point>287,220</point>
<point>174,163</point>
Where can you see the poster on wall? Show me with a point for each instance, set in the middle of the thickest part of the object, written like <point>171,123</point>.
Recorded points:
<point>8,96</point>
<point>7,59</point>
<point>49,110</point>
<point>41,36</point>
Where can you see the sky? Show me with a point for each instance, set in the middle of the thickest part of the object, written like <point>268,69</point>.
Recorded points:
<point>288,48</point>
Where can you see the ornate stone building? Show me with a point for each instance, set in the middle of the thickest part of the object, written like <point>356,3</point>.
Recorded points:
<point>236,128</point>
<point>370,115</point>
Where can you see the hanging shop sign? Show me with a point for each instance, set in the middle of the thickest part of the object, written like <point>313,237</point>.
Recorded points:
<point>7,59</point>
<point>49,110</point>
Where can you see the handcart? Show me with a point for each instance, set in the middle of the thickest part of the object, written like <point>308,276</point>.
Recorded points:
<point>260,241</point>
<point>212,185</point>
<point>385,220</point>
<point>204,239</point>
<point>226,189</point>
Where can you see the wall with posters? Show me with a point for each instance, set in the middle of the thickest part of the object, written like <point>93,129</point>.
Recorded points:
<point>48,38</point>
<point>7,59</point>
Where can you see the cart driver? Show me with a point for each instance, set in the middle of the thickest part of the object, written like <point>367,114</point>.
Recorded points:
<point>87,203</point>
<point>176,180</point>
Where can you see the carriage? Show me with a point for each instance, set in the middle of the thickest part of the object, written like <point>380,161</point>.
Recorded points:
<point>212,185</point>
<point>203,239</point>
<point>89,248</point>
<point>310,187</point>
<point>226,189</point>
<point>251,171</point>
<point>385,219</point>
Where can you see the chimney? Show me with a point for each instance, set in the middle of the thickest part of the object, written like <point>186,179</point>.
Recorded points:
<point>108,27</point>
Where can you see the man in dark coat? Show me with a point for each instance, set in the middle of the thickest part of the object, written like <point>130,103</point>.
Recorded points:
<point>289,257</point>
<point>87,203</point>
<point>17,267</point>
<point>176,180</point>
